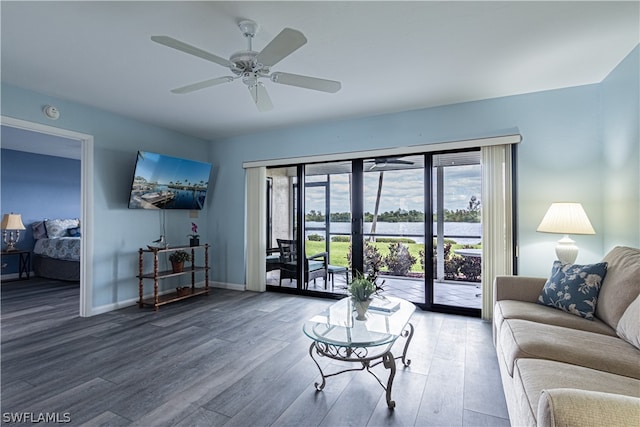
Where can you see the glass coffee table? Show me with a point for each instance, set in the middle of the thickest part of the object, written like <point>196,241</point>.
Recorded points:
<point>336,334</point>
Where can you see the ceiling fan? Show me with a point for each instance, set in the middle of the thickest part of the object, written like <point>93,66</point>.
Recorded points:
<point>385,161</point>
<point>250,66</point>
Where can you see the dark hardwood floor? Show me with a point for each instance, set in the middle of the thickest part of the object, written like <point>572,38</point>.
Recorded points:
<point>230,358</point>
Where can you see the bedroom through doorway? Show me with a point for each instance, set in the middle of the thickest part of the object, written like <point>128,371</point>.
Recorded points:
<point>41,143</point>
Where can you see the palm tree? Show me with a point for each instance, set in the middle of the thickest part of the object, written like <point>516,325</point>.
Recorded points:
<point>374,222</point>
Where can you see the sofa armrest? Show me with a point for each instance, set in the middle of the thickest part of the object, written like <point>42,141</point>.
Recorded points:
<point>574,407</point>
<point>519,288</point>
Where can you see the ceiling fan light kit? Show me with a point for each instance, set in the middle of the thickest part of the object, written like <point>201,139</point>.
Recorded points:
<point>249,65</point>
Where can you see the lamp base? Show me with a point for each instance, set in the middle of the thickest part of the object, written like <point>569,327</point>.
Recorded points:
<point>10,238</point>
<point>566,250</point>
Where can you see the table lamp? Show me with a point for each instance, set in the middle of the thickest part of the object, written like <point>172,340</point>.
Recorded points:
<point>566,218</point>
<point>11,226</point>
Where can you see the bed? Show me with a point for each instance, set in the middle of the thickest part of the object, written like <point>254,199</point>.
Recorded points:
<point>56,254</point>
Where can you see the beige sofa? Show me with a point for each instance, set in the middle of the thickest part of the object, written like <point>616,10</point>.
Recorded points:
<point>558,368</point>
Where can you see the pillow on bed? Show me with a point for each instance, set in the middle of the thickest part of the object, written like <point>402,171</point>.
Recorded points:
<point>57,228</point>
<point>39,230</point>
<point>74,232</point>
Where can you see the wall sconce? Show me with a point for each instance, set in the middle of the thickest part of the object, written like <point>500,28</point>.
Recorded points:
<point>11,226</point>
<point>566,218</point>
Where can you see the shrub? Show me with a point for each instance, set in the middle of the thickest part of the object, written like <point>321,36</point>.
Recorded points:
<point>394,240</point>
<point>315,238</point>
<point>399,260</point>
<point>341,239</point>
<point>372,259</point>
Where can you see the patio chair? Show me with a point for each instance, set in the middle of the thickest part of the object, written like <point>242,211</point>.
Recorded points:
<point>273,259</point>
<point>315,266</point>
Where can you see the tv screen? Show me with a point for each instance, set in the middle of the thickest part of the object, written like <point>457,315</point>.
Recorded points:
<point>165,182</point>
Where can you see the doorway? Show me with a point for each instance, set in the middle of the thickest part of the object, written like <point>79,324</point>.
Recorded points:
<point>86,199</point>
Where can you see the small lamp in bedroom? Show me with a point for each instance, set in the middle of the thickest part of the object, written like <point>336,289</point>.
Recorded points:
<point>11,226</point>
<point>566,218</point>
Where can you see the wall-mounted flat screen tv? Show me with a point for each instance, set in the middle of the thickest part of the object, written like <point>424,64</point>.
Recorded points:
<point>165,182</point>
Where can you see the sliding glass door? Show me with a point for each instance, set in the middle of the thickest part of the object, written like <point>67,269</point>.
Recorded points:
<point>394,224</point>
<point>414,221</point>
<point>457,229</point>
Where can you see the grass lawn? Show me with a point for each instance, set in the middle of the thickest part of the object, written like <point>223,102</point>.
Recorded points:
<point>339,251</point>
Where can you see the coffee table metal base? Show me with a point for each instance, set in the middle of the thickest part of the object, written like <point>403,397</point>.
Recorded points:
<point>365,356</point>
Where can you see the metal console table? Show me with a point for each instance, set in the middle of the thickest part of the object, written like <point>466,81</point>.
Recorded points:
<point>337,335</point>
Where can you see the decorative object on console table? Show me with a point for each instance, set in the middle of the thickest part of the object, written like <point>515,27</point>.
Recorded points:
<point>194,238</point>
<point>178,258</point>
<point>361,289</point>
<point>566,218</point>
<point>183,291</point>
<point>157,275</point>
<point>11,226</point>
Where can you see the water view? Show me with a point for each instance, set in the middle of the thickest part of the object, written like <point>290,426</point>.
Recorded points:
<point>413,230</point>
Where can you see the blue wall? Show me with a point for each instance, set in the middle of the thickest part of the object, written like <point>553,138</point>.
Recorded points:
<point>38,187</point>
<point>118,231</point>
<point>621,153</point>
<point>565,135</point>
<point>560,159</point>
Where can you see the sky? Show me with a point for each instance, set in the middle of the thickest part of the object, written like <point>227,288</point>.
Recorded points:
<point>163,169</point>
<point>401,189</point>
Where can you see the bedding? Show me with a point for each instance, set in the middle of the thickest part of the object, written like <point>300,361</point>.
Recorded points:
<point>67,248</point>
<point>56,254</point>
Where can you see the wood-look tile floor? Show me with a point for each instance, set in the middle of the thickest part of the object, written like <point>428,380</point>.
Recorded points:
<point>231,358</point>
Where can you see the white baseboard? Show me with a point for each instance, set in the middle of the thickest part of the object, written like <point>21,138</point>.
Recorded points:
<point>231,286</point>
<point>14,276</point>
<point>10,276</point>
<point>116,305</point>
<point>133,301</point>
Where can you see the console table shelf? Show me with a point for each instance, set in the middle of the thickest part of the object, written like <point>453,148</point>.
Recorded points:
<point>157,275</point>
<point>173,296</point>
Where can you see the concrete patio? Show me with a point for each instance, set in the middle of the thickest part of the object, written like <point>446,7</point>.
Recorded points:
<point>457,294</point>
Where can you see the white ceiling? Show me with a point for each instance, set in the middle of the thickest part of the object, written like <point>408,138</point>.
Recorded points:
<point>389,56</point>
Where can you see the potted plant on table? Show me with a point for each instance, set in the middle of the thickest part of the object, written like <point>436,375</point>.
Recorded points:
<point>194,237</point>
<point>178,259</point>
<point>361,290</point>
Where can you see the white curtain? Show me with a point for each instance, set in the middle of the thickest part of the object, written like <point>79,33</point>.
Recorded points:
<point>255,229</point>
<point>497,220</point>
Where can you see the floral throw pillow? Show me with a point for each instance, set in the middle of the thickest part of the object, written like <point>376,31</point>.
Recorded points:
<point>574,288</point>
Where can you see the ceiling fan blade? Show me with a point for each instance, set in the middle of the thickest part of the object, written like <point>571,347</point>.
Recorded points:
<point>192,50</point>
<point>399,162</point>
<point>283,45</point>
<point>306,82</point>
<point>202,85</point>
<point>261,97</point>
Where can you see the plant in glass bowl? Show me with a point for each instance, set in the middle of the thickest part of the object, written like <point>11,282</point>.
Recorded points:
<point>361,290</point>
<point>178,259</point>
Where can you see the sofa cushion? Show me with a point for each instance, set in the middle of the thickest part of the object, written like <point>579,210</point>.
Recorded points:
<point>574,407</point>
<point>532,376</point>
<point>508,309</point>
<point>629,325</point>
<point>621,286</point>
<point>524,339</point>
<point>574,288</point>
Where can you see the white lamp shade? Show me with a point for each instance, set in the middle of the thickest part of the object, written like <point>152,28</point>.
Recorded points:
<point>566,218</point>
<point>12,222</point>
